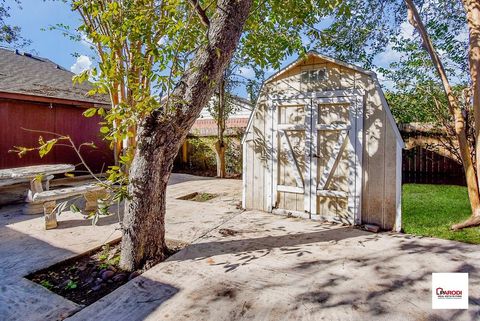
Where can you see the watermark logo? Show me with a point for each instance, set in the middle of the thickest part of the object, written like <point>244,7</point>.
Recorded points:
<point>449,290</point>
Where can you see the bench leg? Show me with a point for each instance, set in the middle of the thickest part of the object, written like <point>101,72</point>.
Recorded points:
<point>91,199</point>
<point>32,208</point>
<point>50,215</point>
<point>47,182</point>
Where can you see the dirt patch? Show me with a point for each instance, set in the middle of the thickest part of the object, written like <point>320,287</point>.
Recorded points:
<point>227,232</point>
<point>197,197</point>
<point>89,277</point>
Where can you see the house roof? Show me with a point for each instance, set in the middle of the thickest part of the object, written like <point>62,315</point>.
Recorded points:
<point>26,74</point>
<point>243,108</point>
<point>312,54</point>
<point>205,125</point>
<point>209,127</point>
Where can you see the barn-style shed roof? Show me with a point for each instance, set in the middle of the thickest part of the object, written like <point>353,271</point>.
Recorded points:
<point>26,74</point>
<point>312,54</point>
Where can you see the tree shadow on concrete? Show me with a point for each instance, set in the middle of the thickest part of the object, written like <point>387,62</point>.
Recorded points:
<point>371,281</point>
<point>251,249</point>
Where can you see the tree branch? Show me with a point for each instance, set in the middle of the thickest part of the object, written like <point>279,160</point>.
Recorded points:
<point>200,12</point>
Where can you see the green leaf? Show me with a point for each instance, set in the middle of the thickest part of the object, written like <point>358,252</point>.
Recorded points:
<point>45,148</point>
<point>95,219</point>
<point>74,208</point>
<point>90,112</point>
<point>104,130</point>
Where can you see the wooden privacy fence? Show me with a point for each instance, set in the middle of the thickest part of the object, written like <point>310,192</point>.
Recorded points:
<point>423,166</point>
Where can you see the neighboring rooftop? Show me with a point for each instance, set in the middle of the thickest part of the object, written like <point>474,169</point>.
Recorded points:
<point>26,74</point>
<point>236,123</point>
<point>243,108</point>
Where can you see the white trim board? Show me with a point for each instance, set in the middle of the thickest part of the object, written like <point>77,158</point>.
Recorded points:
<point>388,112</point>
<point>398,196</point>
<point>244,176</point>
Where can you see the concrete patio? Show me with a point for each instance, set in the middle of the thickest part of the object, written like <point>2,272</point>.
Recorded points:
<point>240,265</point>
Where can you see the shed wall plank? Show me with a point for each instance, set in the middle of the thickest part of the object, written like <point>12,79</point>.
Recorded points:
<point>389,212</point>
<point>375,126</point>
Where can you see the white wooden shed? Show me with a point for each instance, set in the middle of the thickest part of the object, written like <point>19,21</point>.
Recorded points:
<point>321,143</point>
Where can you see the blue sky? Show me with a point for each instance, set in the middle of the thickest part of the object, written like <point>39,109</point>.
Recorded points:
<point>36,15</point>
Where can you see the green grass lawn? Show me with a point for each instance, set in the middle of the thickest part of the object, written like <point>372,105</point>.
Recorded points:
<point>430,210</point>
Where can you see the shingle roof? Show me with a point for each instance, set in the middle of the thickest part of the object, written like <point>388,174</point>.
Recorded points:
<point>30,75</point>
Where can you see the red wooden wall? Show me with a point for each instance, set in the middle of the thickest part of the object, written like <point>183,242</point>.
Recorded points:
<point>61,119</point>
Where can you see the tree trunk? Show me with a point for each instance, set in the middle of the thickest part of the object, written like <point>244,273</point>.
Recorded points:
<point>220,156</point>
<point>472,9</point>
<point>160,134</point>
<point>143,242</point>
<point>220,144</point>
<point>456,112</point>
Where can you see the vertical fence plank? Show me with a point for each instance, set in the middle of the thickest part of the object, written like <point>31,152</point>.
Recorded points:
<point>422,166</point>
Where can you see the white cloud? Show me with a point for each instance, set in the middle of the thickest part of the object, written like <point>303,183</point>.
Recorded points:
<point>463,36</point>
<point>83,63</point>
<point>406,30</point>
<point>390,55</point>
<point>385,58</point>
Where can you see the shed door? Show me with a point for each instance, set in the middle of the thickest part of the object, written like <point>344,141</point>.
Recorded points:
<point>317,172</point>
<point>337,126</point>
<point>290,182</point>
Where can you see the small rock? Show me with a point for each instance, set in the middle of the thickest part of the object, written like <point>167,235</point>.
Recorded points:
<point>133,275</point>
<point>98,281</point>
<point>107,274</point>
<point>97,287</point>
<point>89,280</point>
<point>110,281</point>
<point>119,277</point>
<point>64,283</point>
<point>372,228</point>
<point>101,271</point>
<point>227,232</point>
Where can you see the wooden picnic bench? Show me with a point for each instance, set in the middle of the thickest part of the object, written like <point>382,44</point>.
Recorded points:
<point>43,201</point>
<point>33,174</point>
<point>48,200</point>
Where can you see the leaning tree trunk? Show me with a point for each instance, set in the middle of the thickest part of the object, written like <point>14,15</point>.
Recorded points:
<point>143,242</point>
<point>455,111</point>
<point>221,122</point>
<point>161,133</point>
<point>472,8</point>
